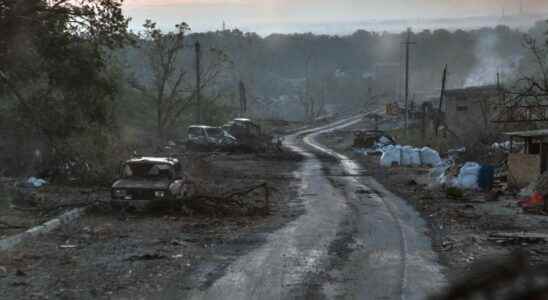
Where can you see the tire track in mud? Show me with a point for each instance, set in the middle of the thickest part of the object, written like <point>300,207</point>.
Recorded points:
<point>402,218</point>
<point>358,229</point>
<point>350,167</point>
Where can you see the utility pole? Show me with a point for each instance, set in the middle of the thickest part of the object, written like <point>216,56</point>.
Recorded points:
<point>243,98</point>
<point>198,83</point>
<point>408,44</point>
<point>442,94</point>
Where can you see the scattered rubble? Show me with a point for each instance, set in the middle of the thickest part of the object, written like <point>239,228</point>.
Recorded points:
<point>472,209</point>
<point>242,198</point>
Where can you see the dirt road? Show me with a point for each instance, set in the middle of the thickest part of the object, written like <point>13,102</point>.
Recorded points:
<point>332,233</point>
<point>355,239</point>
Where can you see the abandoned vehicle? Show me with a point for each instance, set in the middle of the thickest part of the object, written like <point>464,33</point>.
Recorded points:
<point>242,128</point>
<point>249,134</point>
<point>144,180</point>
<point>207,136</point>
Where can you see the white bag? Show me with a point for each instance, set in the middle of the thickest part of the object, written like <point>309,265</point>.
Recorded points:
<point>410,156</point>
<point>391,155</point>
<point>468,176</point>
<point>430,157</point>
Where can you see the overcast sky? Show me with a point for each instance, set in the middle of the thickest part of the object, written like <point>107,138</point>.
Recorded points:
<point>204,15</point>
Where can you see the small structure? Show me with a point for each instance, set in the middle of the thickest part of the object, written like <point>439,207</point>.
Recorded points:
<point>526,166</point>
<point>471,109</point>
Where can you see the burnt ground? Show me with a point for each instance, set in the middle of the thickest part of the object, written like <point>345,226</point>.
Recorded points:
<point>151,254</point>
<point>461,230</point>
<point>22,208</point>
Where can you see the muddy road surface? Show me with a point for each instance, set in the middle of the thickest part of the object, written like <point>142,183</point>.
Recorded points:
<point>355,240</point>
<point>333,233</point>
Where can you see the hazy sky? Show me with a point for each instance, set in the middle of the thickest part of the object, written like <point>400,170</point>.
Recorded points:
<point>250,14</point>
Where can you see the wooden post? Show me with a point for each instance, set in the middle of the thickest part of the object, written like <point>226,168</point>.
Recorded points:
<point>407,45</point>
<point>542,168</point>
<point>198,83</point>
<point>423,124</point>
<point>442,94</point>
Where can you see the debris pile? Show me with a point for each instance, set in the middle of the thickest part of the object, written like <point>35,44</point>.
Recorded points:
<point>217,200</point>
<point>371,140</point>
<point>409,156</point>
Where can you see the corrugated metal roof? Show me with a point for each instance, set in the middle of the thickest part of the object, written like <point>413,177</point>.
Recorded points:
<point>529,133</point>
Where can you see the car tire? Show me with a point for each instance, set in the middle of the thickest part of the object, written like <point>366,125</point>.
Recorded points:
<point>116,207</point>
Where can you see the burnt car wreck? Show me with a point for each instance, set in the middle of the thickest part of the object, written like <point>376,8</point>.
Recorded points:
<point>147,181</point>
<point>207,137</point>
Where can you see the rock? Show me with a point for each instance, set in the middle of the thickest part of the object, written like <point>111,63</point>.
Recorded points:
<point>454,193</point>
<point>104,231</point>
<point>493,195</point>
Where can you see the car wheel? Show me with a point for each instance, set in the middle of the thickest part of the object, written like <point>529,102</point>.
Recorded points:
<point>115,206</point>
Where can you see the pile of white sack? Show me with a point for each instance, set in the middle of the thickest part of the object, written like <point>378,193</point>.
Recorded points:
<point>466,180</point>
<point>468,176</point>
<point>409,156</point>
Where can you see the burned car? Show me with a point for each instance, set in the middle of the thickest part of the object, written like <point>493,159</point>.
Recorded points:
<point>250,136</point>
<point>208,137</point>
<point>242,128</point>
<point>149,180</point>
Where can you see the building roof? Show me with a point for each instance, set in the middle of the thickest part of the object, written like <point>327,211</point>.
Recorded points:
<point>491,90</point>
<point>529,133</point>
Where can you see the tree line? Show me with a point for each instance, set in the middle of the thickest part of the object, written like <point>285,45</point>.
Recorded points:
<point>75,78</point>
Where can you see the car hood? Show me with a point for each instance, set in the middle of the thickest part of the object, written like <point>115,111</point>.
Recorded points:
<point>141,184</point>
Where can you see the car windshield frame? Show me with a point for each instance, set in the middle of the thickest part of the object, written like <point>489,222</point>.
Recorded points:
<point>147,170</point>
<point>215,132</point>
<point>195,132</point>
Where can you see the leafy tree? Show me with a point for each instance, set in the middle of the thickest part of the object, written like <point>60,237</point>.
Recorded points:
<point>53,66</point>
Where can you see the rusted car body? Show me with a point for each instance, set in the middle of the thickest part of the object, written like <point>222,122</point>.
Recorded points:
<point>149,180</point>
<point>208,137</point>
<point>242,128</point>
<point>250,136</point>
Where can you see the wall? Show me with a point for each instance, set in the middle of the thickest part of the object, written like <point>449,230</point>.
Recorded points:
<point>470,111</point>
<point>523,169</point>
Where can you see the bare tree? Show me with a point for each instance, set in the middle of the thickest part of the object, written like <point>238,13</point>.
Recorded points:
<point>171,86</point>
<point>312,97</point>
<point>532,83</point>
